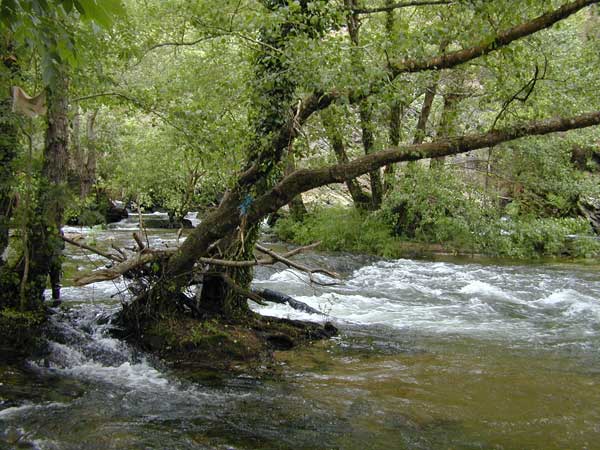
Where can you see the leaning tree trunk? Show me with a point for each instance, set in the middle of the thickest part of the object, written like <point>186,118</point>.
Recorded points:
<point>232,235</point>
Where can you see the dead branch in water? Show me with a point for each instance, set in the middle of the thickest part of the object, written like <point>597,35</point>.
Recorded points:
<point>147,255</point>
<point>112,257</point>
<point>301,267</point>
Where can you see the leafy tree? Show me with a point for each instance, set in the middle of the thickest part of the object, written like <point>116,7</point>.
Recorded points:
<point>236,92</point>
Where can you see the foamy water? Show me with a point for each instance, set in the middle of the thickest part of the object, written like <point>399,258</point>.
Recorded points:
<point>507,303</point>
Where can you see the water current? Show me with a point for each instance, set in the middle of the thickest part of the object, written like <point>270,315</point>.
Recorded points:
<point>432,355</point>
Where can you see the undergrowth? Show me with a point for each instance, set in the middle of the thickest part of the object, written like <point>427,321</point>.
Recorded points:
<point>347,229</point>
<point>428,207</point>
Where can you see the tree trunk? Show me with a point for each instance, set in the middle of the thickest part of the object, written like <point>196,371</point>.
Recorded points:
<point>88,178</point>
<point>236,236</point>
<point>297,207</point>
<point>447,122</point>
<point>359,197</point>
<point>8,151</point>
<point>45,244</point>
<point>368,140</point>
<point>396,113</point>
<point>365,108</point>
<point>421,128</point>
<point>396,106</point>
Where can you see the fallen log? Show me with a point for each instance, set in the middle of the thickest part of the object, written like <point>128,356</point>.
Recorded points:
<point>278,297</point>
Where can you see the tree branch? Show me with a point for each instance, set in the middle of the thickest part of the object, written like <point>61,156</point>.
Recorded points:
<point>502,39</point>
<point>321,100</point>
<point>122,268</point>
<point>401,5</point>
<point>179,44</point>
<point>93,249</point>
<point>147,255</point>
<point>295,265</point>
<point>303,180</point>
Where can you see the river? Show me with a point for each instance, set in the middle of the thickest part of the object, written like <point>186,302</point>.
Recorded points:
<point>431,355</point>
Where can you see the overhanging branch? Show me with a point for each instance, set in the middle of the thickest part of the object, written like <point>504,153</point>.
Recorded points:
<point>400,5</point>
<point>306,179</point>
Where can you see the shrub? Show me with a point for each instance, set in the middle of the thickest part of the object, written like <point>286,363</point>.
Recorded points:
<point>436,207</point>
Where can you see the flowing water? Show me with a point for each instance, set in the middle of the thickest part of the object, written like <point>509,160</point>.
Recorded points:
<point>431,355</point>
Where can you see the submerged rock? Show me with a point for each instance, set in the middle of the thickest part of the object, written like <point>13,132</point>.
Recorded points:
<point>116,212</point>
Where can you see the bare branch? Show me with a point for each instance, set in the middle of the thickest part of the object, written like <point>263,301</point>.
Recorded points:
<point>120,269</point>
<point>93,249</point>
<point>526,90</point>
<point>147,255</point>
<point>295,265</point>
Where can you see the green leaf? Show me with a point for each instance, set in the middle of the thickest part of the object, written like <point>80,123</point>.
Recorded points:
<point>7,11</point>
<point>101,12</point>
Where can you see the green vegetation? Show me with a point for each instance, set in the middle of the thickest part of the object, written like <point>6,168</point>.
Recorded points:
<point>467,124</point>
<point>344,229</point>
<point>438,206</point>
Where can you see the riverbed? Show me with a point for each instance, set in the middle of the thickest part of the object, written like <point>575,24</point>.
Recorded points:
<point>440,354</point>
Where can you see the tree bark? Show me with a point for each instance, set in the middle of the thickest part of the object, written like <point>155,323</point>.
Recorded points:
<point>8,151</point>
<point>365,108</point>
<point>421,128</point>
<point>88,173</point>
<point>447,124</point>
<point>396,105</point>
<point>396,113</point>
<point>45,244</point>
<point>297,207</point>
<point>360,199</point>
